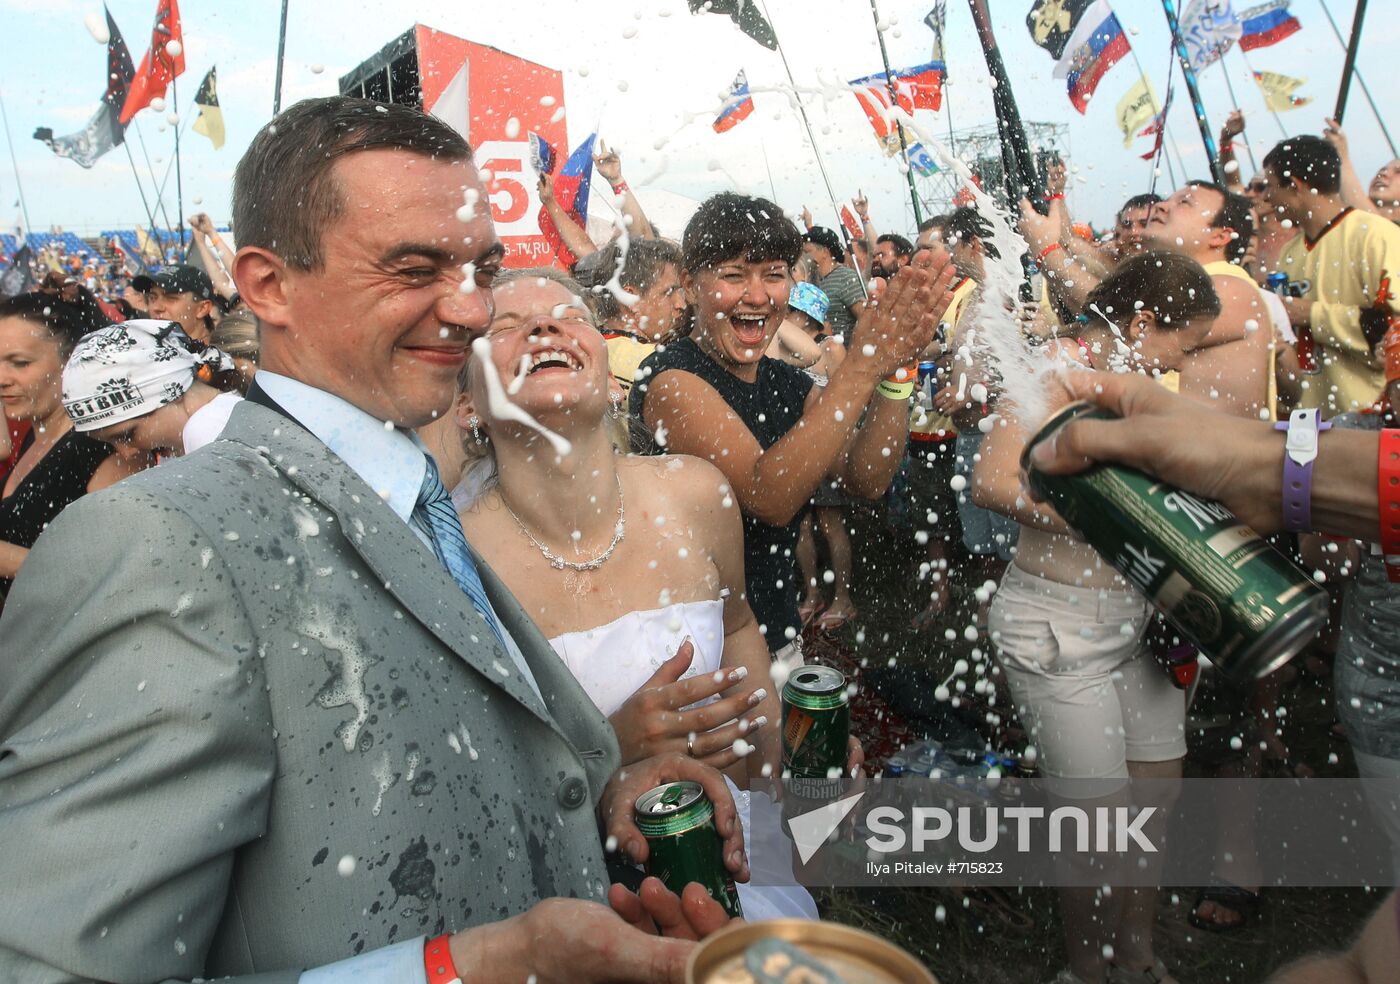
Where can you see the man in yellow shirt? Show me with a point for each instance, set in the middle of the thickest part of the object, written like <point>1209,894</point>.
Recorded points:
<point>1232,367</point>
<point>1340,266</point>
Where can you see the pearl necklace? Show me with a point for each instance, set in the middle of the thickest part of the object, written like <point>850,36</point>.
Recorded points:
<point>559,563</point>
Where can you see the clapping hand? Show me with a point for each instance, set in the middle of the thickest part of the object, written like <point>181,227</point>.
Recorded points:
<point>901,318</point>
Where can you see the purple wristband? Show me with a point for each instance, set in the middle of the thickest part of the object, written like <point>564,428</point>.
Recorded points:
<point>1300,450</point>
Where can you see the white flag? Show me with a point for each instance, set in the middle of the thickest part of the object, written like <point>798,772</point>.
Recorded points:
<point>1208,29</point>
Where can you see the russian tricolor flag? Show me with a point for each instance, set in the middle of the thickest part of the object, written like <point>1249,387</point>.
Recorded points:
<point>1266,24</point>
<point>1098,43</point>
<point>737,106</point>
<point>571,187</point>
<point>920,87</point>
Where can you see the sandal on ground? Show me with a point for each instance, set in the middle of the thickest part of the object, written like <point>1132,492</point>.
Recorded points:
<point>1156,974</point>
<point>832,621</point>
<point>809,610</point>
<point>1240,901</point>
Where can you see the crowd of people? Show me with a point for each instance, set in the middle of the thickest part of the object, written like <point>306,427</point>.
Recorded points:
<point>356,584</point>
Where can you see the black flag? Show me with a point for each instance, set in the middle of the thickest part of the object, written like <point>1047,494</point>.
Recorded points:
<point>105,130</point>
<point>120,71</point>
<point>1051,22</point>
<point>745,13</point>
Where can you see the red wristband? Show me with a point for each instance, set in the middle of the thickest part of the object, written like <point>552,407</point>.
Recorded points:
<point>1056,198</point>
<point>620,188</point>
<point>1040,257</point>
<point>437,960</point>
<point>1388,489</point>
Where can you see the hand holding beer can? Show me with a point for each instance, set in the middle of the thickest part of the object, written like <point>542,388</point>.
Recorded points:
<point>1245,605</point>
<point>683,846</point>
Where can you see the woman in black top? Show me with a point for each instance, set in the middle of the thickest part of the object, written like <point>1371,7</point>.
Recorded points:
<point>769,430</point>
<point>56,465</point>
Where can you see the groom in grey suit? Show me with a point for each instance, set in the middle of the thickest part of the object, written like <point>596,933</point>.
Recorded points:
<point>261,710</point>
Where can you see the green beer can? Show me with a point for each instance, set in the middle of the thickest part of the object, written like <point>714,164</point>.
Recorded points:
<point>1245,605</point>
<point>678,821</point>
<point>816,728</point>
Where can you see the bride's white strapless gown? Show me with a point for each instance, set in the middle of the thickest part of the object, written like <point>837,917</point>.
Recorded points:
<point>614,661</point>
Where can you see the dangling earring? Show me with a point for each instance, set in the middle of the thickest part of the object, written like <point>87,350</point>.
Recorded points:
<point>615,404</point>
<point>474,425</point>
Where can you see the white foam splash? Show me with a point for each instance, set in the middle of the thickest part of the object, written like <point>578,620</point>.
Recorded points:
<point>502,408</point>
<point>997,340</point>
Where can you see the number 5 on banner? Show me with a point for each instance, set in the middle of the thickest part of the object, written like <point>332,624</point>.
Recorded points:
<point>514,200</point>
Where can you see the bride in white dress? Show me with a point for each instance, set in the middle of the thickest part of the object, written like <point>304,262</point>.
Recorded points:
<point>632,566</point>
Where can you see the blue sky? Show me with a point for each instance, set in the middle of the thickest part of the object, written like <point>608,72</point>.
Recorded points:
<point>652,75</point>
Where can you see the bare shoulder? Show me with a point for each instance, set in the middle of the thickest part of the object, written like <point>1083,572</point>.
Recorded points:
<point>1233,290</point>
<point>681,482</point>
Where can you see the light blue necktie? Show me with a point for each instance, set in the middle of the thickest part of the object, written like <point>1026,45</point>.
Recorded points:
<point>435,515</point>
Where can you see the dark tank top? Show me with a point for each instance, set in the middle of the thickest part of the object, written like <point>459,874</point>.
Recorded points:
<point>60,478</point>
<point>770,407</point>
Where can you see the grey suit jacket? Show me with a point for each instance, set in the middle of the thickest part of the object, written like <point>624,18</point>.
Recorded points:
<point>249,724</point>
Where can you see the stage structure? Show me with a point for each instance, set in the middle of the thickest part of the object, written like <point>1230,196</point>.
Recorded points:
<point>980,148</point>
<point>494,99</point>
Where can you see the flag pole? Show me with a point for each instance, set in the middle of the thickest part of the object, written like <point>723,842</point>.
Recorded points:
<point>1189,74</point>
<point>1272,112</point>
<point>1235,101</point>
<point>1350,66</point>
<point>899,127</point>
<point>14,162</point>
<point>1361,81</point>
<point>1015,148</point>
<point>281,49</point>
<point>772,188</point>
<point>184,124</point>
<point>179,185</point>
<point>160,190</point>
<point>816,151</point>
<point>145,203</point>
<point>1166,133</point>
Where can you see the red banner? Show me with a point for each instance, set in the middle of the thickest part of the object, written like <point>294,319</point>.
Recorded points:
<point>496,99</point>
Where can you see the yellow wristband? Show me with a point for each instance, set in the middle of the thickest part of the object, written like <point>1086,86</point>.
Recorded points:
<point>895,391</point>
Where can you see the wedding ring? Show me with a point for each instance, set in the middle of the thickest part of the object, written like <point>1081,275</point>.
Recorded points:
<point>690,745</point>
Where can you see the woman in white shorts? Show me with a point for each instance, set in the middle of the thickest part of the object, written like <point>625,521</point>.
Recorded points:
<point>1068,629</point>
